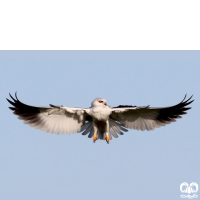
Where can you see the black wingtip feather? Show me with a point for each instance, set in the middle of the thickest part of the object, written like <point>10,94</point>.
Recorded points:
<point>184,97</point>
<point>12,103</point>
<point>166,114</point>
<point>189,99</point>
<point>12,98</point>
<point>16,96</point>
<point>21,108</point>
<point>11,108</point>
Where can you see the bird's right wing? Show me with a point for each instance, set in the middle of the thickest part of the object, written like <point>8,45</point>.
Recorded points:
<point>54,119</point>
<point>147,118</point>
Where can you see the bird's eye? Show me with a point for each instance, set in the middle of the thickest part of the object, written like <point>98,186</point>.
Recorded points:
<point>100,101</point>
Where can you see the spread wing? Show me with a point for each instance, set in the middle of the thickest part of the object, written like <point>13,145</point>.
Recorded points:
<point>147,118</point>
<point>54,119</point>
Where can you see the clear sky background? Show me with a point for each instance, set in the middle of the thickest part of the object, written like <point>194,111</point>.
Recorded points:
<point>137,165</point>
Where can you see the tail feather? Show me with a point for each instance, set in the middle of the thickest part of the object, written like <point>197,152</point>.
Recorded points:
<point>99,135</point>
<point>113,133</point>
<point>115,129</point>
<point>91,134</point>
<point>86,128</point>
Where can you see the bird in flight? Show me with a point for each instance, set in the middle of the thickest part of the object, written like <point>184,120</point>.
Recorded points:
<point>100,121</point>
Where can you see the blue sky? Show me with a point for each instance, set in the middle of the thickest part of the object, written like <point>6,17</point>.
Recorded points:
<point>140,165</point>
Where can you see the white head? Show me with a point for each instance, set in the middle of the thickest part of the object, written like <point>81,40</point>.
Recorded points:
<point>98,102</point>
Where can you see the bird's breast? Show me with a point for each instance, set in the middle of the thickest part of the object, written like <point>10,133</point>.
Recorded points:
<point>101,113</point>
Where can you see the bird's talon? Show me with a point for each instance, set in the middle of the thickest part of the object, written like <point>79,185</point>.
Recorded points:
<point>107,139</point>
<point>94,137</point>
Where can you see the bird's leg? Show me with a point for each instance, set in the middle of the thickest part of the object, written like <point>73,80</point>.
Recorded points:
<point>107,138</point>
<point>95,134</point>
<point>107,131</point>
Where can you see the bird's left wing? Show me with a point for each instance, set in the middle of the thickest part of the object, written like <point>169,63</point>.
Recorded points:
<point>147,118</point>
<point>54,119</point>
